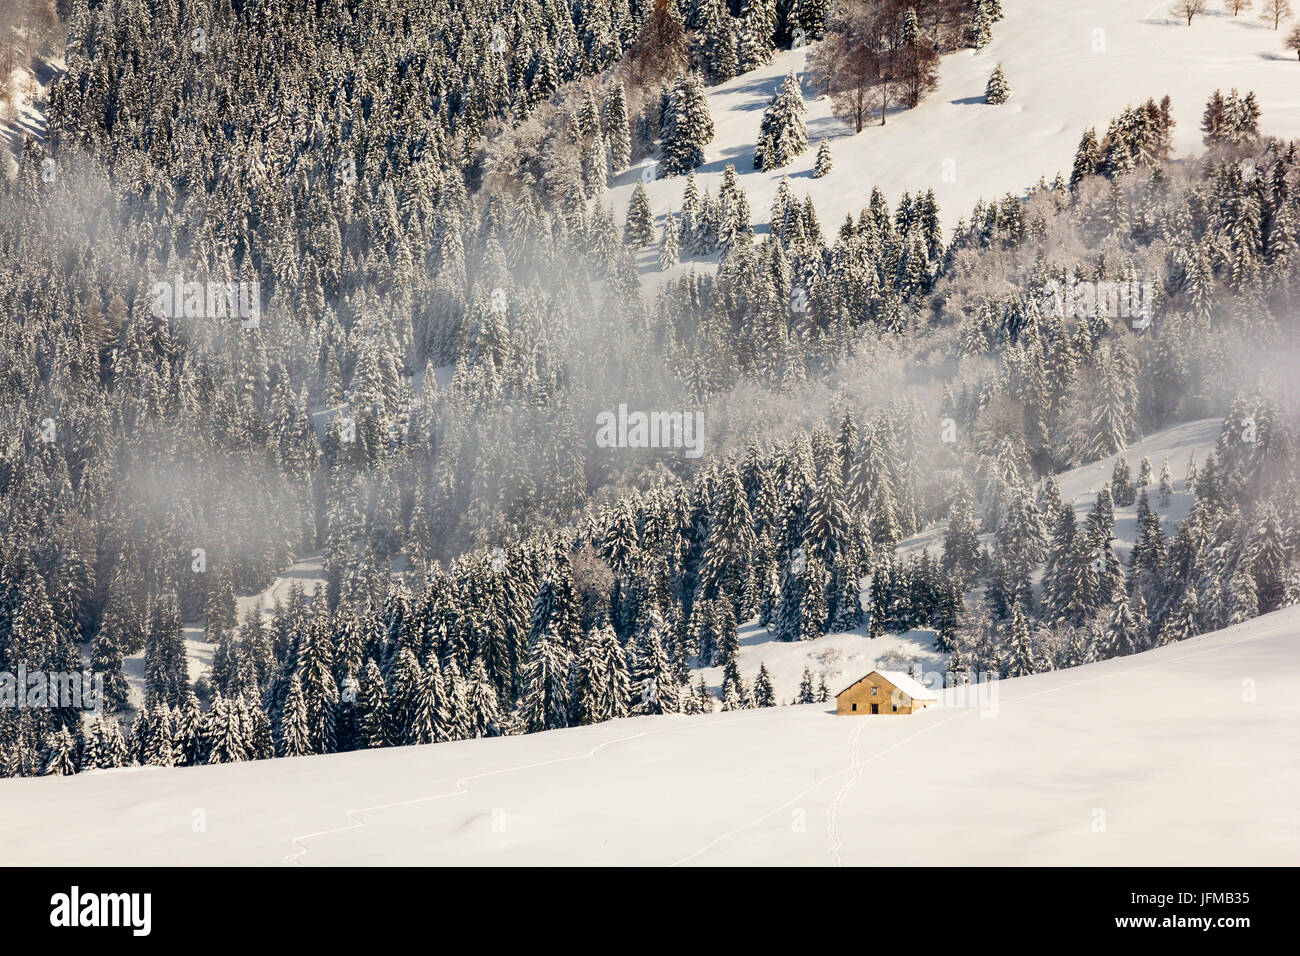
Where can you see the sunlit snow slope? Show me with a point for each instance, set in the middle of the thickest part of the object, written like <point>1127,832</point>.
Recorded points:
<point>1188,754</point>
<point>1070,64</point>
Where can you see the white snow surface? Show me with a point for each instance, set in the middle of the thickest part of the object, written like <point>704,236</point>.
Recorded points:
<point>1187,754</point>
<point>1070,65</point>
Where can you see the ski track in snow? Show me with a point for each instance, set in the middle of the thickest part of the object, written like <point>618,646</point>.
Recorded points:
<point>461,790</point>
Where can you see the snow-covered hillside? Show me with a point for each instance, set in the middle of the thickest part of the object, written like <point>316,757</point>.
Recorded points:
<point>306,574</point>
<point>1175,444</point>
<point>1070,66</point>
<point>841,658</point>
<point>22,113</point>
<point>836,658</point>
<point>1187,754</point>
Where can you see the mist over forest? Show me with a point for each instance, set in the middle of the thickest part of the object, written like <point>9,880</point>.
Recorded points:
<point>416,197</point>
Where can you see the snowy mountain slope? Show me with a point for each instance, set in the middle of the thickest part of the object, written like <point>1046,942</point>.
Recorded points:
<point>1176,443</point>
<point>22,114</point>
<point>838,658</point>
<point>841,658</point>
<point>1188,754</point>
<point>1070,65</point>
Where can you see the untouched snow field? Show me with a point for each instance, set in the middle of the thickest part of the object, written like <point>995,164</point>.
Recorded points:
<point>1070,66</point>
<point>1188,754</point>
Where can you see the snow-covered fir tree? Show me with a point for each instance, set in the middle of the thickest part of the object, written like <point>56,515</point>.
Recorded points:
<point>640,229</point>
<point>687,126</point>
<point>782,135</point>
<point>998,90</point>
<point>824,163</point>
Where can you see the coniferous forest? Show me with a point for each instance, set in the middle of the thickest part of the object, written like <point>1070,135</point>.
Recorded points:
<point>445,300</point>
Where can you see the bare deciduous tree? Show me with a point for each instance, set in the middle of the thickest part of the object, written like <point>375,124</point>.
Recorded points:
<point>1293,40</point>
<point>1275,10</point>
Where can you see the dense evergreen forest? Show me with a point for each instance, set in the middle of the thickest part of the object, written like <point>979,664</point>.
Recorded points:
<point>446,304</point>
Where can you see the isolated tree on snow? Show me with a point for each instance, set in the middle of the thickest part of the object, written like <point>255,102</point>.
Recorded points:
<point>704,699</point>
<point>998,89</point>
<point>1186,9</point>
<point>807,693</point>
<point>1166,484</point>
<point>764,696</point>
<point>1144,475</point>
<point>733,694</point>
<point>1275,10</point>
<point>824,162</point>
<point>1121,483</point>
<point>823,692</point>
<point>1293,40</point>
<point>640,228</point>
